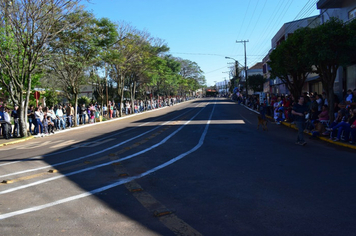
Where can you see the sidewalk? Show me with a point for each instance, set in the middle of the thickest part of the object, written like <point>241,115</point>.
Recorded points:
<point>5,142</point>
<point>293,126</point>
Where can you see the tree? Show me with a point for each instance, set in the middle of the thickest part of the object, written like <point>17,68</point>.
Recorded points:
<point>328,47</point>
<point>255,82</point>
<point>290,62</point>
<point>27,27</point>
<point>193,74</point>
<point>77,49</point>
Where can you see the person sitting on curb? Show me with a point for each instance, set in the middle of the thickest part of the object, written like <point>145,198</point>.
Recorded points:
<point>353,132</point>
<point>334,123</point>
<point>319,128</point>
<point>344,127</point>
<point>324,114</point>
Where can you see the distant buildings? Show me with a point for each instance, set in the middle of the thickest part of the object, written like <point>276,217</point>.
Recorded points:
<point>346,76</point>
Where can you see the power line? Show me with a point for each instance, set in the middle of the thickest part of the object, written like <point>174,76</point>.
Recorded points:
<point>305,11</point>
<point>215,70</point>
<point>212,54</point>
<point>253,29</point>
<point>252,16</point>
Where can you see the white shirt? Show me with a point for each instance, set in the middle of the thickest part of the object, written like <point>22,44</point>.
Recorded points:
<point>7,117</point>
<point>59,113</point>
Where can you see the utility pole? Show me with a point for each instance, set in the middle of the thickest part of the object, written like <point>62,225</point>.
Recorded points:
<point>244,42</point>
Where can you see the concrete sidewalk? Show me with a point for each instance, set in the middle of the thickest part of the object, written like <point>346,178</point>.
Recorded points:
<point>5,142</point>
<point>323,138</point>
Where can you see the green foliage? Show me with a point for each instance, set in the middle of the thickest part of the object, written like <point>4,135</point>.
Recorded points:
<point>255,82</point>
<point>290,62</point>
<point>84,100</point>
<point>52,97</point>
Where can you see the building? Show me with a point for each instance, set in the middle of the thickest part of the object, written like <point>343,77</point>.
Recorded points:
<point>345,10</point>
<point>222,87</point>
<point>276,85</point>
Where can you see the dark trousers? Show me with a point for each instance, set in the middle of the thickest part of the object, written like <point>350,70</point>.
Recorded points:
<point>300,126</point>
<point>6,130</point>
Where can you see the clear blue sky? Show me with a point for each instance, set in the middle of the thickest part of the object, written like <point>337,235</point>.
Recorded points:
<point>206,31</point>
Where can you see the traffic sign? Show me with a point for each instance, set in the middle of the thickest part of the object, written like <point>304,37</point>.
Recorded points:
<point>37,95</point>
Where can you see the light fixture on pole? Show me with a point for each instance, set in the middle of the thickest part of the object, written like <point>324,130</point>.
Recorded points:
<point>236,67</point>
<point>244,42</point>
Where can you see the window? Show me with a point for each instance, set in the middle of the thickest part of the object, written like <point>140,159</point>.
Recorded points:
<point>352,14</point>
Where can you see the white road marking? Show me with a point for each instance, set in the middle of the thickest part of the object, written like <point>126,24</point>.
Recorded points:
<point>104,188</point>
<point>93,154</point>
<point>39,144</point>
<point>92,144</point>
<point>100,165</point>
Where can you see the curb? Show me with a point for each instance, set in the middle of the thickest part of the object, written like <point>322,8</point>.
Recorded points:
<point>17,141</point>
<point>289,125</point>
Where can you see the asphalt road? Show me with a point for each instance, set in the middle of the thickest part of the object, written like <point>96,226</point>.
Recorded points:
<point>197,168</point>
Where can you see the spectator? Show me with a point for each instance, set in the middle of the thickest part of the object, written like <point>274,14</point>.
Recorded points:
<point>15,116</point>
<point>105,109</point>
<point>83,114</point>
<point>325,99</point>
<point>92,113</point>
<point>344,127</point>
<point>324,114</point>
<point>52,115</point>
<point>312,114</point>
<point>60,117</point>
<point>299,111</point>
<point>6,126</point>
<point>319,128</point>
<point>31,119</point>
<point>49,125</point>
<point>69,114</point>
<point>353,130</point>
<point>319,100</point>
<point>39,118</point>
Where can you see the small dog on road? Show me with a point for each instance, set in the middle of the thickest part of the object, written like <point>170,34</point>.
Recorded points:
<point>262,122</point>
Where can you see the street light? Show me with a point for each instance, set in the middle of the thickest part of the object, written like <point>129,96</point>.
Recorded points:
<point>236,65</point>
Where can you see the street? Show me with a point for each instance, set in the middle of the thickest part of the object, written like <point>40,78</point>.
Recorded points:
<point>197,168</point>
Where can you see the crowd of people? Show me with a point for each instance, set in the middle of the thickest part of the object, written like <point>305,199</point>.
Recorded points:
<point>44,121</point>
<point>312,114</point>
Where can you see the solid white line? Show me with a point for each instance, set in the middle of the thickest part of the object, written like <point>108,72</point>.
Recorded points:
<point>120,182</point>
<point>100,165</point>
<point>96,153</point>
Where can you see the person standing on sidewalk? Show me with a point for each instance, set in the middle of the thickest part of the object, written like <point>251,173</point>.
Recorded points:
<point>15,115</point>
<point>299,111</point>
<point>6,125</point>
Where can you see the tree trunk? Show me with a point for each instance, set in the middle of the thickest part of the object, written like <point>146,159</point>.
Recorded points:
<point>121,93</point>
<point>75,109</point>
<point>133,97</point>
<point>22,113</point>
